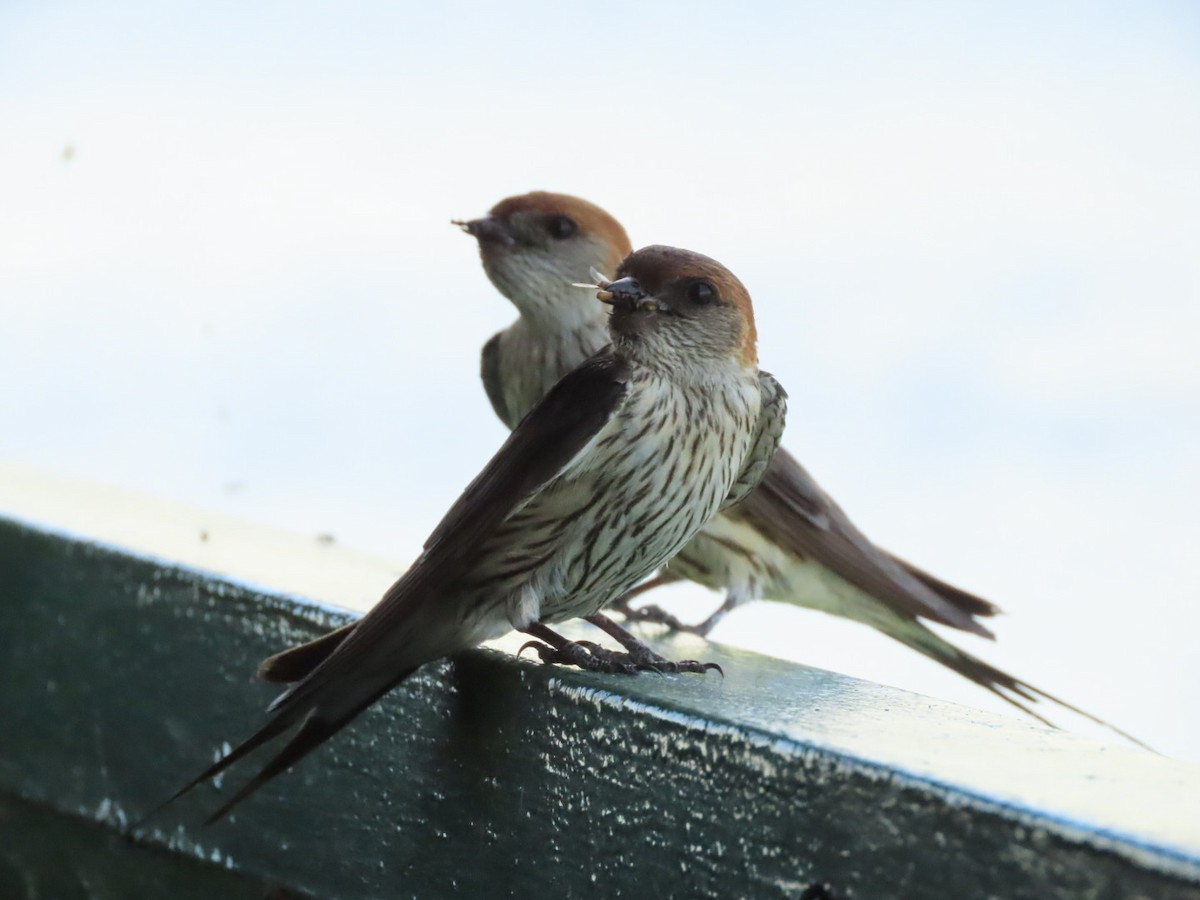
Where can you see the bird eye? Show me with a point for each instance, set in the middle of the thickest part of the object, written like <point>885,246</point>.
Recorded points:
<point>702,293</point>
<point>561,227</point>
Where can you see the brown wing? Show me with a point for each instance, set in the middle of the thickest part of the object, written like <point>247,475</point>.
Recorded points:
<point>792,510</point>
<point>365,661</point>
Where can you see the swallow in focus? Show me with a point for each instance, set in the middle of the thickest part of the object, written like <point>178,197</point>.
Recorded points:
<point>606,478</point>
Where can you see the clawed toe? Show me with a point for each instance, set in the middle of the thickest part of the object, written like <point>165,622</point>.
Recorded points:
<point>583,655</point>
<point>592,657</point>
<point>538,647</point>
<point>571,654</point>
<point>607,661</point>
<point>690,666</point>
<point>553,648</point>
<point>547,654</point>
<point>647,659</point>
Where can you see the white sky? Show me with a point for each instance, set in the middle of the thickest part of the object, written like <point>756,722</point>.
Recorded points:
<point>971,232</point>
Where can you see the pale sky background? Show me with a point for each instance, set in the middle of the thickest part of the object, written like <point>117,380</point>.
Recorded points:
<point>972,233</point>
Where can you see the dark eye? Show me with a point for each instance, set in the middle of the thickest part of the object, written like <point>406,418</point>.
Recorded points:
<point>561,227</point>
<point>702,293</point>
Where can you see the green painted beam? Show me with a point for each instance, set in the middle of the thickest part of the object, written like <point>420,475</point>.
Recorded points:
<point>121,675</point>
<point>46,855</point>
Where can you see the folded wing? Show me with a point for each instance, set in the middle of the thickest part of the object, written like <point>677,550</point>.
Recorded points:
<point>351,668</point>
<point>792,510</point>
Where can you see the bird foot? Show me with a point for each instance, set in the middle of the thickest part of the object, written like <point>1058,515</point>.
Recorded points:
<point>593,658</point>
<point>645,658</point>
<point>581,654</point>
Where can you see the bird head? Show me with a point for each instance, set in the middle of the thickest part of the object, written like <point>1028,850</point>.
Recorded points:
<point>680,307</point>
<point>534,245</point>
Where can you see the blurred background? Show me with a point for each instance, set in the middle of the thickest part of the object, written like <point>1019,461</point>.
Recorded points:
<point>972,232</point>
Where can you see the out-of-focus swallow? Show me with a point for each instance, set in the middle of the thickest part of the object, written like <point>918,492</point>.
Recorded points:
<point>788,541</point>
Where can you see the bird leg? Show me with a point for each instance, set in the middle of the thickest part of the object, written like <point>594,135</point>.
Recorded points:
<point>654,614</point>
<point>621,604</point>
<point>642,656</point>
<point>659,616</point>
<point>733,599</point>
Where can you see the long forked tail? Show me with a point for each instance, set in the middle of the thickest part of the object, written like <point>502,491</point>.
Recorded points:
<point>314,730</point>
<point>273,728</point>
<point>1009,688</point>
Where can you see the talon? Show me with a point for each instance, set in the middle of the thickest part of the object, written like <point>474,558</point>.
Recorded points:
<point>536,645</point>
<point>692,666</point>
<point>591,657</point>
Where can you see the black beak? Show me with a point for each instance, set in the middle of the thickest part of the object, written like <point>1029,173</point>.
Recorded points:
<point>622,294</point>
<point>487,230</point>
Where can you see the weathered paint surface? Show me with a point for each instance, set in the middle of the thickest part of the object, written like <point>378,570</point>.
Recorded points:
<point>120,677</point>
<point>46,855</point>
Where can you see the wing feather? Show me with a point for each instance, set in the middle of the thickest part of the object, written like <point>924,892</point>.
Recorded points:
<point>352,667</point>
<point>493,381</point>
<point>767,434</point>
<point>792,510</point>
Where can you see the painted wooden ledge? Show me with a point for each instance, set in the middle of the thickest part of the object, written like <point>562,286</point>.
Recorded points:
<point>133,629</point>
